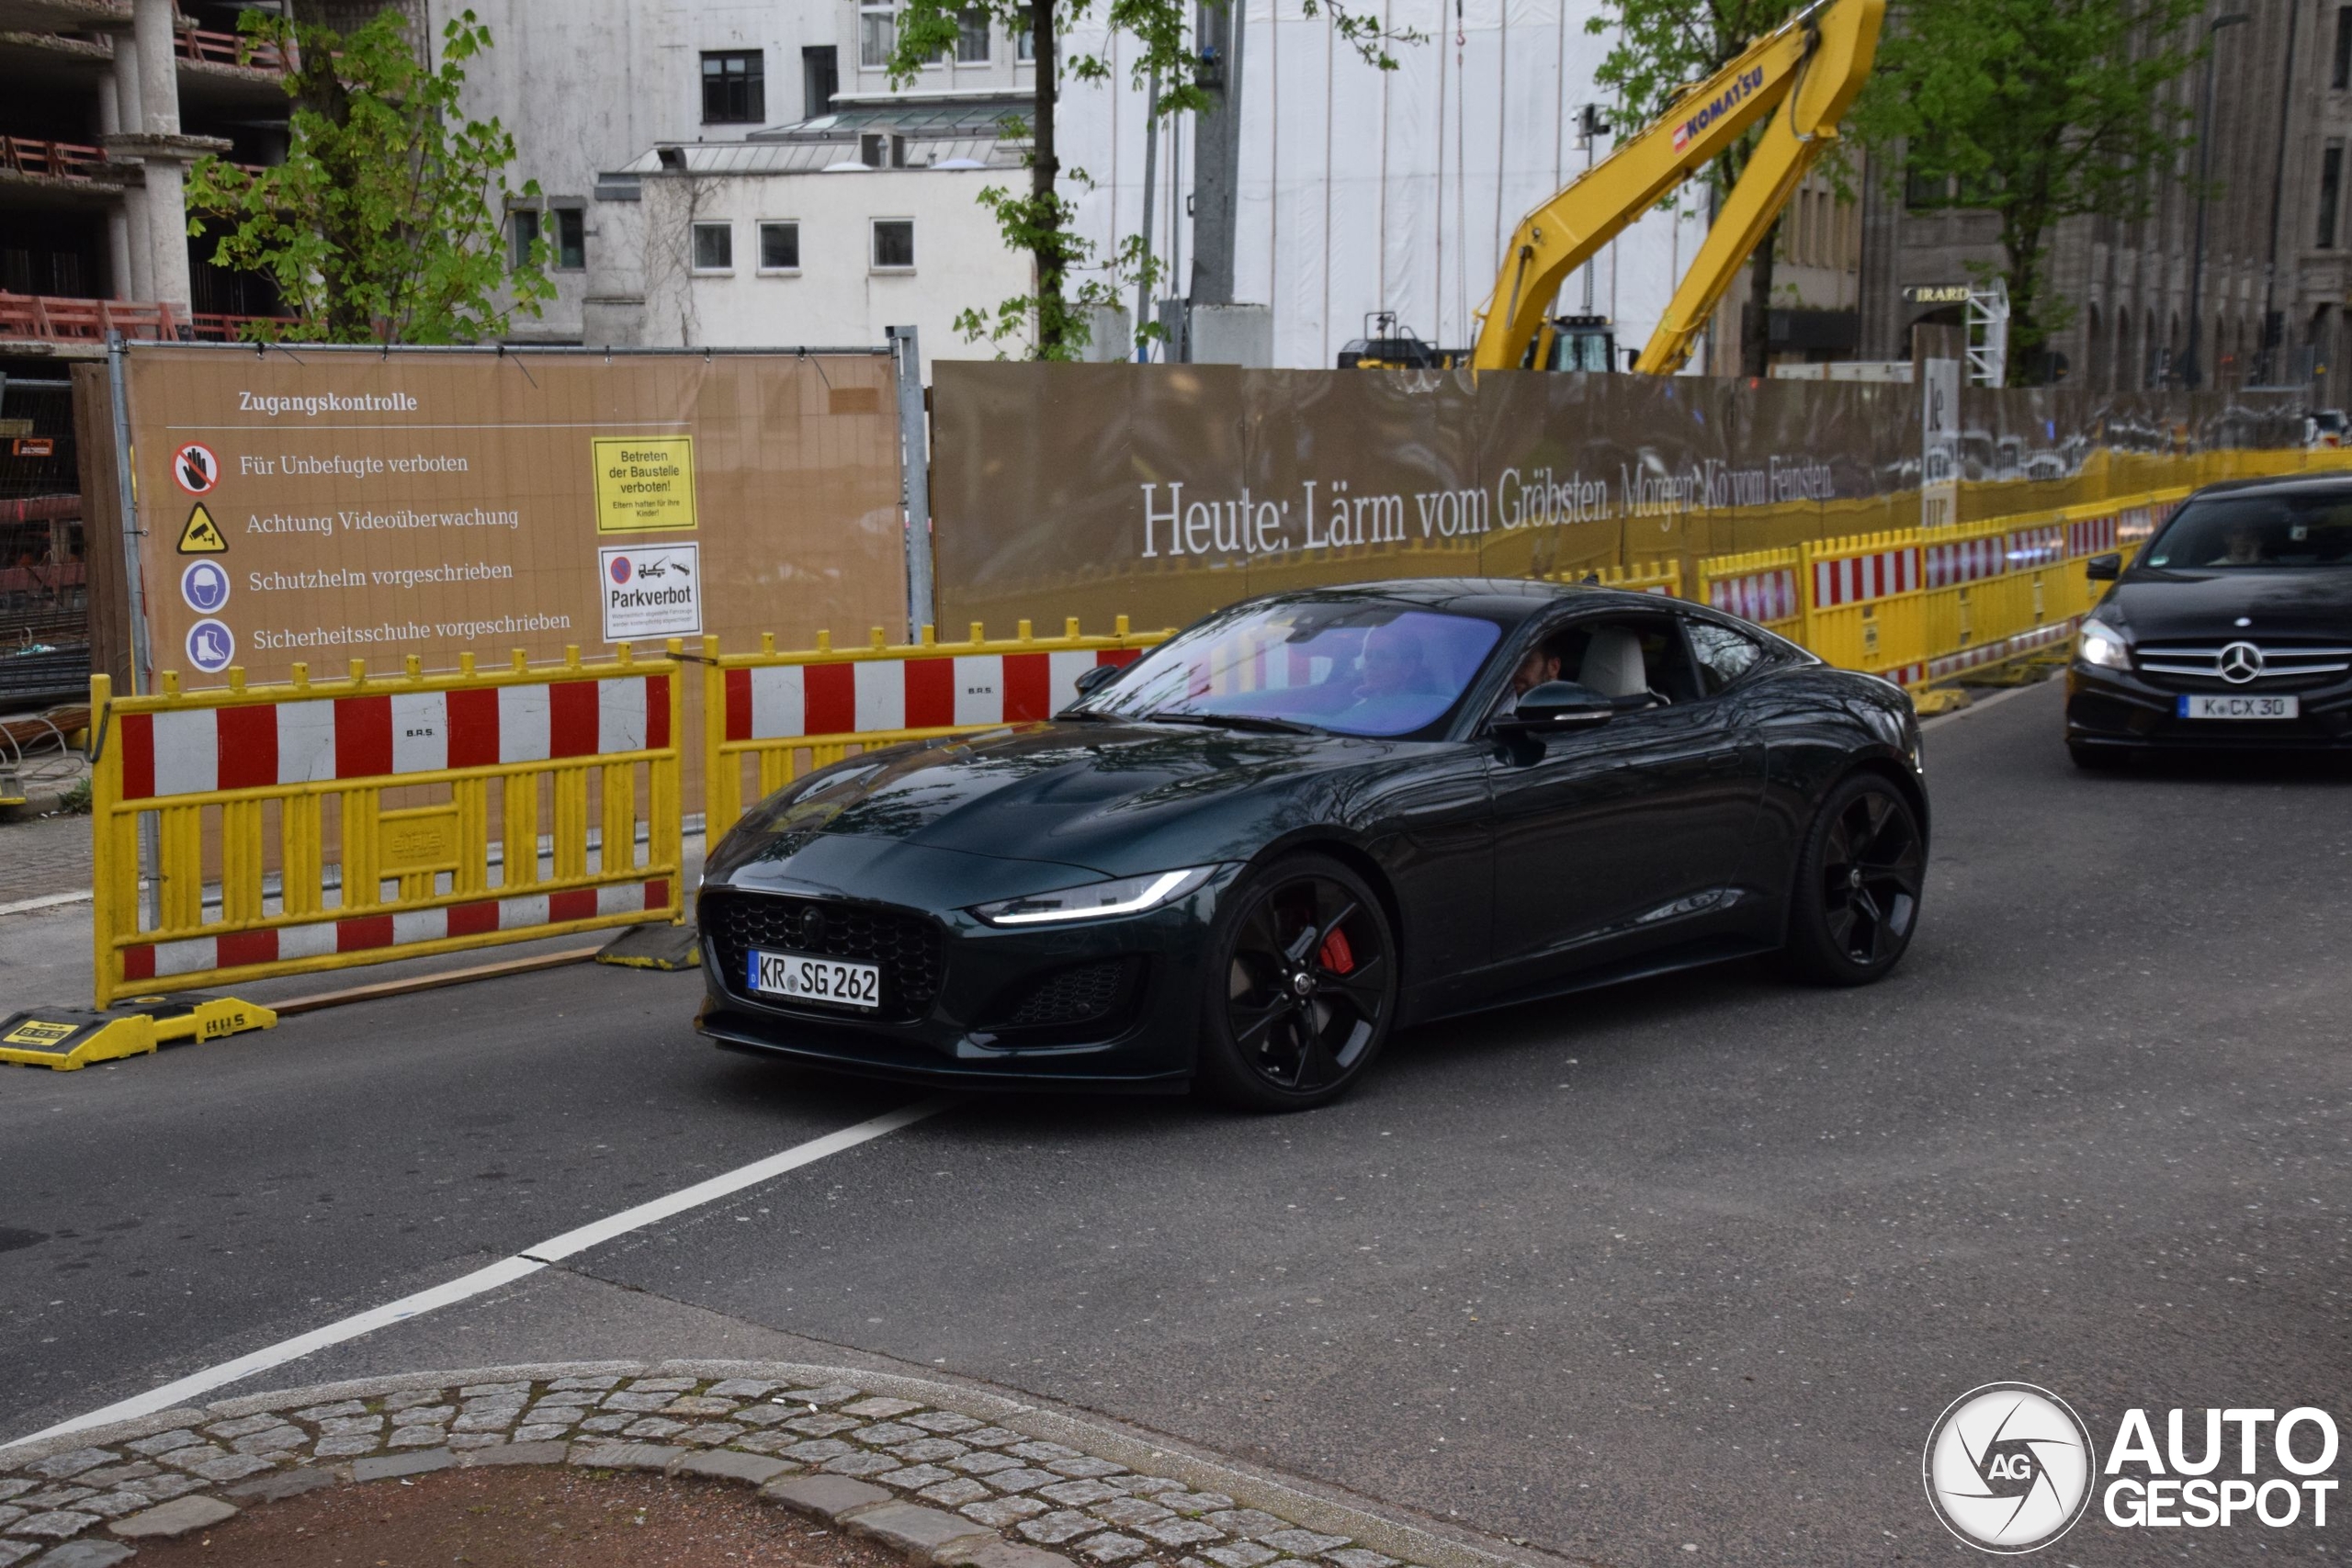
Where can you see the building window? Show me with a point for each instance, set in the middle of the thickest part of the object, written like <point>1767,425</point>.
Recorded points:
<point>734,88</point>
<point>2331,186</point>
<point>894,244</point>
<point>714,247</point>
<point>779,247</point>
<point>820,78</point>
<point>2343,77</point>
<point>971,37</point>
<point>570,238</point>
<point>1024,37</point>
<point>523,229</point>
<point>878,35</point>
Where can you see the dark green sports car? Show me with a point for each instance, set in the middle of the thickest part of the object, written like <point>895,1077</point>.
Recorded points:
<point>1242,860</point>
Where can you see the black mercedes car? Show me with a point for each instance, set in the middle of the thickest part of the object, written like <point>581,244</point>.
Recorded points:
<point>2233,629</point>
<point>1242,860</point>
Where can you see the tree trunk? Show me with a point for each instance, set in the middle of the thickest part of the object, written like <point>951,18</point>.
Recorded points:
<point>319,90</point>
<point>1047,248</point>
<point>2025,365</point>
<point>1756,330</point>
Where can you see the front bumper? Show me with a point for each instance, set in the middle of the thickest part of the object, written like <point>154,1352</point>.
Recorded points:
<point>2126,710</point>
<point>967,1032</point>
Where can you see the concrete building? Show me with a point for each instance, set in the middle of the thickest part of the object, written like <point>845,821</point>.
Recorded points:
<point>797,243</point>
<point>2267,303</point>
<point>104,105</point>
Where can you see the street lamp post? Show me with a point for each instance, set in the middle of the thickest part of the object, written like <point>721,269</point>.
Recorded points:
<point>2192,369</point>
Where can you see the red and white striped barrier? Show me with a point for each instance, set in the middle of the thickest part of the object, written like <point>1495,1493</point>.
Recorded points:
<point>1964,560</point>
<point>2024,642</point>
<point>200,750</point>
<point>783,702</point>
<point>1854,580</point>
<point>2090,536</point>
<point>1761,597</point>
<point>2042,545</point>
<point>321,939</point>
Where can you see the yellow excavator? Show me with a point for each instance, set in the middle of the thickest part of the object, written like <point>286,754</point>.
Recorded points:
<point>1805,73</point>
<point>1813,66</point>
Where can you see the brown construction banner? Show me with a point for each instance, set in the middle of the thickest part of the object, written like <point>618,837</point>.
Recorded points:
<point>325,506</point>
<point>1164,491</point>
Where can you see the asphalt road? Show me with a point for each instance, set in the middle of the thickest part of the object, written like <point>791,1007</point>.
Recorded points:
<point>1691,1264</point>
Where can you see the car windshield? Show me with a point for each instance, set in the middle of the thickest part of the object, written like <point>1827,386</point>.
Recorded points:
<point>1353,666</point>
<point>2225,531</point>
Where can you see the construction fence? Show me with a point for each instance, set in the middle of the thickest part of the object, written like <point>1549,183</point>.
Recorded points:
<point>255,509</point>
<point>316,825</point>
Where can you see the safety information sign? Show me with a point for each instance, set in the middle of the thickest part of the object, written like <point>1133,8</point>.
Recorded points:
<point>650,590</point>
<point>644,483</point>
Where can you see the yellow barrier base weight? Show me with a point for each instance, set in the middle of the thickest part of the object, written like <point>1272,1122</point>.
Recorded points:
<point>67,1038</point>
<point>653,947</point>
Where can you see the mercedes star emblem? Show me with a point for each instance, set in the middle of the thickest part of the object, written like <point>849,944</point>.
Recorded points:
<point>2241,662</point>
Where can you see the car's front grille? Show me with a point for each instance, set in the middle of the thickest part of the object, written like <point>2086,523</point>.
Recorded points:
<point>1074,995</point>
<point>904,944</point>
<point>2244,662</point>
<point>1083,999</point>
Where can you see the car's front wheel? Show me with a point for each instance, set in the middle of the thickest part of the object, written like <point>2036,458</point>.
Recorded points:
<point>1302,986</point>
<point>1856,903</point>
<point>2097,759</point>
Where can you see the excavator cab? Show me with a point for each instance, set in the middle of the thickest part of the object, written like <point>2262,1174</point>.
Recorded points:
<point>1573,342</point>
<point>1387,347</point>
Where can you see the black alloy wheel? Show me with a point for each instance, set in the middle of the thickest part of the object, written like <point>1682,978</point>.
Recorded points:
<point>1302,984</point>
<point>1856,899</point>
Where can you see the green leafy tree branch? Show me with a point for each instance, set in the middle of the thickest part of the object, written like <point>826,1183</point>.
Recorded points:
<point>384,223</point>
<point>2038,111</point>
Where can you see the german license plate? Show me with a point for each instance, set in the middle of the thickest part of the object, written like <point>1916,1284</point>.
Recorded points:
<point>2207,706</point>
<point>804,977</point>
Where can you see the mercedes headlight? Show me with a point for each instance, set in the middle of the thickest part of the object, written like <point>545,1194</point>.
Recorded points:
<point>1096,900</point>
<point>2103,646</point>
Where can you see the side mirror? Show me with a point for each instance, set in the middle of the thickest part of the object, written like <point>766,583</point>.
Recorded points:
<point>1557,706</point>
<point>1095,680</point>
<point>2104,569</point>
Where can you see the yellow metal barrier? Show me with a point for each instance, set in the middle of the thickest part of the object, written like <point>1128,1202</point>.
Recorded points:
<point>435,787</point>
<point>1661,577</point>
<point>1759,586</point>
<point>1861,604</point>
<point>778,708</point>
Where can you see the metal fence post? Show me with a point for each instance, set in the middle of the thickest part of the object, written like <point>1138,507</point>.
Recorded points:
<point>135,593</point>
<point>914,478</point>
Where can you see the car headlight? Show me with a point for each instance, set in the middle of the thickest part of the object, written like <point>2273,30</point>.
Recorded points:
<point>1096,900</point>
<point>2102,645</point>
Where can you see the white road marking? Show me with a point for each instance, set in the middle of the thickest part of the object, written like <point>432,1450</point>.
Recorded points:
<point>506,1270</point>
<point>46,901</point>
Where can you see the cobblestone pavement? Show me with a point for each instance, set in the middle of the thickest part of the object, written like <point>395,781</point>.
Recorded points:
<point>42,855</point>
<point>948,1475</point>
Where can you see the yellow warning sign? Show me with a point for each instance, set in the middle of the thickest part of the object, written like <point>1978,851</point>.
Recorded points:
<point>37,1034</point>
<point>644,483</point>
<point>202,536</point>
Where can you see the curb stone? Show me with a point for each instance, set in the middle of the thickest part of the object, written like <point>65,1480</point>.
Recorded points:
<point>946,1476</point>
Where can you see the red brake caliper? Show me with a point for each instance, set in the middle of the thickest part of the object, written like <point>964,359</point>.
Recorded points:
<point>1335,955</point>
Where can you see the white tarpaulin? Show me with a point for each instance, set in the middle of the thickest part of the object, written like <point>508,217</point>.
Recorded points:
<point>1365,190</point>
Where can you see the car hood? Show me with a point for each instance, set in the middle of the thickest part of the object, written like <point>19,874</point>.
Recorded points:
<point>2290,601</point>
<point>1109,799</point>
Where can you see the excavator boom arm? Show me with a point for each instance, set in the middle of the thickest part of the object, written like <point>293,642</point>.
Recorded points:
<point>1805,73</point>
